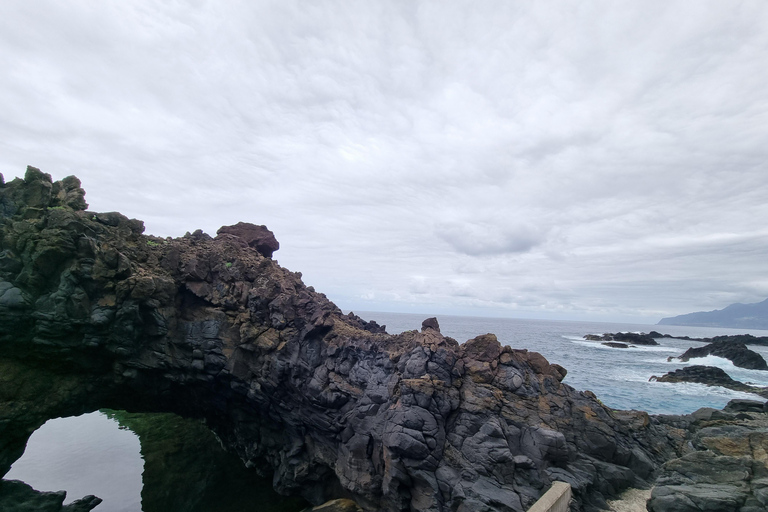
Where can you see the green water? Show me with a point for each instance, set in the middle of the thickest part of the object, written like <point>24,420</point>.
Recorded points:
<point>181,466</point>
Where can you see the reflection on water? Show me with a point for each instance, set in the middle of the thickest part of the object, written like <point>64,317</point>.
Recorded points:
<point>83,455</point>
<point>184,467</point>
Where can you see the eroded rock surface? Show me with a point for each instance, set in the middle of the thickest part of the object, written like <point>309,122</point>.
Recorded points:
<point>95,314</point>
<point>725,464</point>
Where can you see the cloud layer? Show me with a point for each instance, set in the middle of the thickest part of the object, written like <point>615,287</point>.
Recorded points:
<point>568,160</point>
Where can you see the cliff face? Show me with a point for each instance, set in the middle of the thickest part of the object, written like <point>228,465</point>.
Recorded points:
<point>95,314</point>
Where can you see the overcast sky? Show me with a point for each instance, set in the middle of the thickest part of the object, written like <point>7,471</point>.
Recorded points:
<point>568,160</point>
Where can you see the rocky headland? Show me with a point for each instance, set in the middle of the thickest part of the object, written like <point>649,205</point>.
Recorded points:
<point>95,314</point>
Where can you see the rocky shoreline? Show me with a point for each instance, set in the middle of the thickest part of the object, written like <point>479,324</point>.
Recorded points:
<point>95,314</point>
<point>723,466</point>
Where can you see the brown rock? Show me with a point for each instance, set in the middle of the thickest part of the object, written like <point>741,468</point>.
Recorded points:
<point>258,237</point>
<point>483,348</point>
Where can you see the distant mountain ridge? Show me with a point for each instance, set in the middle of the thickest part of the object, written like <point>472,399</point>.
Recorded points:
<point>744,316</point>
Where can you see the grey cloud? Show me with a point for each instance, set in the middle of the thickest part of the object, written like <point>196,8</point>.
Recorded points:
<point>489,239</point>
<point>518,158</point>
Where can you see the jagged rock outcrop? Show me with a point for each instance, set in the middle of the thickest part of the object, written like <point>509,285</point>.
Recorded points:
<point>737,353</point>
<point>623,337</point>
<point>371,326</point>
<point>95,314</point>
<point>711,376</point>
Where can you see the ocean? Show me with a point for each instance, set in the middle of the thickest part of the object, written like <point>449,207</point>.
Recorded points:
<point>94,454</point>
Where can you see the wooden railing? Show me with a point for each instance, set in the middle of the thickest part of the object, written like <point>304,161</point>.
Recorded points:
<point>556,499</point>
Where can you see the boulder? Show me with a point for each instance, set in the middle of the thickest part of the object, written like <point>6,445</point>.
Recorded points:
<point>257,237</point>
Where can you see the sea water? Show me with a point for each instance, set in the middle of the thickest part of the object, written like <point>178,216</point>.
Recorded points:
<point>91,454</point>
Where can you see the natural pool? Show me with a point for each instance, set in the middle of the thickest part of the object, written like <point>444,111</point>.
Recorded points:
<point>144,462</point>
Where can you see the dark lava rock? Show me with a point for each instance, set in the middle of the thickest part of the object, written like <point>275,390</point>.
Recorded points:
<point>258,237</point>
<point>724,468</point>
<point>657,334</point>
<point>95,314</point>
<point>742,405</point>
<point>430,323</point>
<point>371,326</point>
<point>746,339</point>
<point>709,375</point>
<point>614,344</point>
<point>624,337</point>
<point>736,352</point>
<point>16,496</point>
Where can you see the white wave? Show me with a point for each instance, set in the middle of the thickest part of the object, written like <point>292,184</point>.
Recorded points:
<point>695,389</point>
<point>756,377</point>
<point>628,375</point>
<point>630,348</point>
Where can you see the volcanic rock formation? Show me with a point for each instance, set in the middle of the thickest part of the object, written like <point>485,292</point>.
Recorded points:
<point>711,376</point>
<point>724,467</point>
<point>95,314</point>
<point>623,337</point>
<point>737,353</point>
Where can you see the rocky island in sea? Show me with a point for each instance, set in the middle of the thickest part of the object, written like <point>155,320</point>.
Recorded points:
<point>95,314</point>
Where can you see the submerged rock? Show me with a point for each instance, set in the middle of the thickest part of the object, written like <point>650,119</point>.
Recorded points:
<point>16,496</point>
<point>614,344</point>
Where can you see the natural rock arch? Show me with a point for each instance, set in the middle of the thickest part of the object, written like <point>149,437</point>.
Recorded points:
<point>95,314</point>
